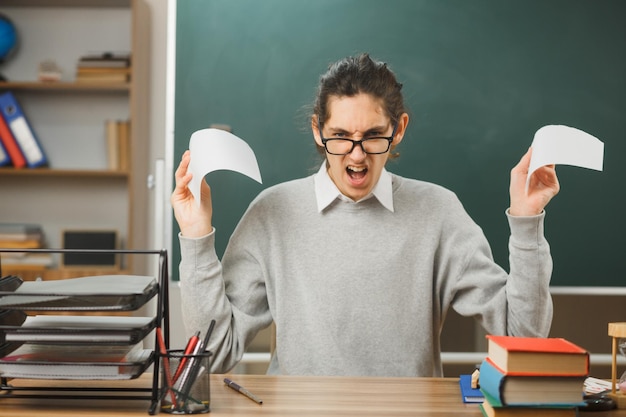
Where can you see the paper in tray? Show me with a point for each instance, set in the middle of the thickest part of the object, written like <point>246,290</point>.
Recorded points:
<point>96,293</point>
<point>39,369</point>
<point>103,330</point>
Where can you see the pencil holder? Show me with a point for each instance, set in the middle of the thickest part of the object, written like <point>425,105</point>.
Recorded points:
<point>185,378</point>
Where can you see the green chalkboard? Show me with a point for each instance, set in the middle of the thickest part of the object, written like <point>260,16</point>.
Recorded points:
<point>480,77</point>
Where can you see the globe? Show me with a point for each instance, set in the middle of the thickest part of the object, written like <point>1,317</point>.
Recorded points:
<point>8,40</point>
<point>8,37</point>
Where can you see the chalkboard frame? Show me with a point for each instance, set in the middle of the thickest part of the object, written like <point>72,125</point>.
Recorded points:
<point>480,77</point>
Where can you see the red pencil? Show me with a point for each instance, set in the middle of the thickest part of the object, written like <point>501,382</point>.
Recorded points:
<point>166,364</point>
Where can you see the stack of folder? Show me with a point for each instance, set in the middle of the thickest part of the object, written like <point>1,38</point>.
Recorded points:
<point>19,146</point>
<point>533,376</point>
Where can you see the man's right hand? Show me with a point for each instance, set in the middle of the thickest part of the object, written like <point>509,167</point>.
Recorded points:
<point>194,220</point>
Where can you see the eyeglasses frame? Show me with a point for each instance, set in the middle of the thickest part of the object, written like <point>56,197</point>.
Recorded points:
<point>355,142</point>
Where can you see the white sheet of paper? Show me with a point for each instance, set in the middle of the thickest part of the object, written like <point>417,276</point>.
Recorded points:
<point>558,144</point>
<point>215,149</point>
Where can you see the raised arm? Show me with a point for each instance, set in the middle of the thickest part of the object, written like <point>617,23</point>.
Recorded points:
<point>194,220</point>
<point>543,185</point>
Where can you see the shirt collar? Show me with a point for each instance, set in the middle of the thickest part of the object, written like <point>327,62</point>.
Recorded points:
<point>326,191</point>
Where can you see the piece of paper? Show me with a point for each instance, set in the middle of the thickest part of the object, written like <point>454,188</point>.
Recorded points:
<point>215,149</point>
<point>558,144</point>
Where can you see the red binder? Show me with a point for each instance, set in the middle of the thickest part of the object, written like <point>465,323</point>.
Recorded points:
<point>10,144</point>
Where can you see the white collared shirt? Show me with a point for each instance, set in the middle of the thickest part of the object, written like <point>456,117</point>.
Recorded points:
<point>326,191</point>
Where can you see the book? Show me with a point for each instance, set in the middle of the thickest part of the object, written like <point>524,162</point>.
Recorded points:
<point>20,244</point>
<point>113,144</point>
<point>12,148</point>
<point>537,356</point>
<point>23,259</point>
<point>103,74</point>
<point>105,59</point>
<point>123,134</point>
<point>21,237</point>
<point>87,71</point>
<point>20,231</point>
<point>102,70</point>
<point>469,394</point>
<point>512,390</point>
<point>22,131</point>
<point>102,77</point>
<point>489,410</point>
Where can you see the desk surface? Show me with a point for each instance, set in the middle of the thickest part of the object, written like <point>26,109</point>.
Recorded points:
<point>282,396</point>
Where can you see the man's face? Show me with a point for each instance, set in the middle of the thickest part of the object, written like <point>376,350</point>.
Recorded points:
<point>358,117</point>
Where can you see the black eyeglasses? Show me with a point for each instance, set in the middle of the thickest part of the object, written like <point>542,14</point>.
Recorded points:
<point>343,146</point>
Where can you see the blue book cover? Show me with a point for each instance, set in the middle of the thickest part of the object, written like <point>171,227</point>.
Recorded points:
<point>529,390</point>
<point>22,131</point>
<point>4,156</point>
<point>469,394</point>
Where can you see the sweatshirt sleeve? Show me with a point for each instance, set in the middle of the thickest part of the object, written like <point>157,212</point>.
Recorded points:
<point>204,297</point>
<point>517,303</point>
<point>528,286</point>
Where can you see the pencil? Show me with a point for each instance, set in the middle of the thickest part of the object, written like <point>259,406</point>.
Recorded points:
<point>232,384</point>
<point>166,364</point>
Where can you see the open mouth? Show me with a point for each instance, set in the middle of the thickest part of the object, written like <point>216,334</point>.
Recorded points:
<point>356,173</point>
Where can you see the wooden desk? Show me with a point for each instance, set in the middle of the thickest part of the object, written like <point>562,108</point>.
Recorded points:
<point>285,396</point>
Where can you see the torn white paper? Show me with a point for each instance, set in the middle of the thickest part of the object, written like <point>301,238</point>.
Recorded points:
<point>558,144</point>
<point>215,149</point>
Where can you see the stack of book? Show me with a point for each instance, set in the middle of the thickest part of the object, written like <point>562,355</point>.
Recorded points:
<point>23,236</point>
<point>104,68</point>
<point>533,376</point>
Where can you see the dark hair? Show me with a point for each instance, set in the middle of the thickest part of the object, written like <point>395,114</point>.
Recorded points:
<point>360,74</point>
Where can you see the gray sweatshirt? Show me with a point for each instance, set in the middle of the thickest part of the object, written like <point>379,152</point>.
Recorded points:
<point>357,289</point>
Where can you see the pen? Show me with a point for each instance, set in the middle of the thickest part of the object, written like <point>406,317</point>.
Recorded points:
<point>207,336</point>
<point>242,390</point>
<point>191,345</point>
<point>194,367</point>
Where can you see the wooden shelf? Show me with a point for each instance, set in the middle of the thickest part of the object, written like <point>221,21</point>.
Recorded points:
<point>65,86</point>
<point>51,172</point>
<point>77,190</point>
<point>66,3</point>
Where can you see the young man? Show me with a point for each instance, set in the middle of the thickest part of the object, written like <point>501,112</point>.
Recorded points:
<point>355,265</point>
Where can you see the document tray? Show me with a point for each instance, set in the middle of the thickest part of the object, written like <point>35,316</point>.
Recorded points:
<point>110,293</point>
<point>103,330</point>
<point>40,369</point>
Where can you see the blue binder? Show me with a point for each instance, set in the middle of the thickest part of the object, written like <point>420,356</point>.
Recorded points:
<point>4,156</point>
<point>22,131</point>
